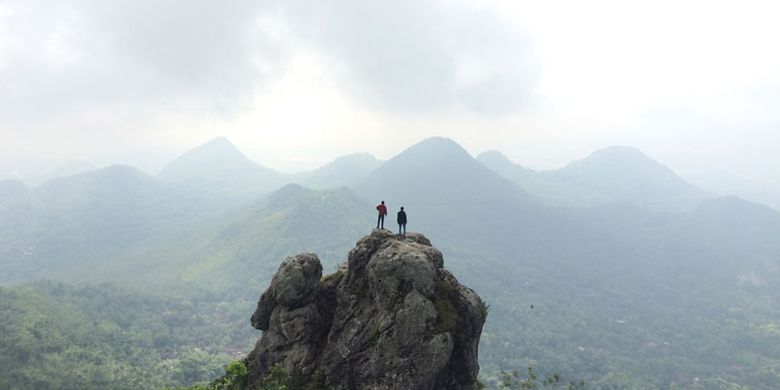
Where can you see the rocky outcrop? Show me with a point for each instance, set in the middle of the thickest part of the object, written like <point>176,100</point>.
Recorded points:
<point>391,318</point>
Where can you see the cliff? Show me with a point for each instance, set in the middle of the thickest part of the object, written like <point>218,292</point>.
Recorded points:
<point>392,317</point>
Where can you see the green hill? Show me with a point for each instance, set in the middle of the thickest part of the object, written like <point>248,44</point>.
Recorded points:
<point>541,184</point>
<point>77,221</point>
<point>625,174</point>
<point>341,172</point>
<point>291,220</point>
<point>649,289</point>
<point>219,173</point>
<point>612,175</point>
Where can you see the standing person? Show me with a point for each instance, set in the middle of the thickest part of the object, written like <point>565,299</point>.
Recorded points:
<point>380,222</point>
<point>402,222</point>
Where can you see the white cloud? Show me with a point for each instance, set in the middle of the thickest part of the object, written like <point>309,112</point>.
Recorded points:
<point>295,83</point>
<point>418,57</point>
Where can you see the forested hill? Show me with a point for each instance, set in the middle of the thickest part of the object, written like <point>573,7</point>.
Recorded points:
<point>610,280</point>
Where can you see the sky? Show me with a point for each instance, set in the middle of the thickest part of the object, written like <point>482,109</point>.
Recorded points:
<point>294,84</point>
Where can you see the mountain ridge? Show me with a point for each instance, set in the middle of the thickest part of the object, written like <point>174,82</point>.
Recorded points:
<point>218,171</point>
<point>607,283</point>
<point>341,172</point>
<point>614,174</point>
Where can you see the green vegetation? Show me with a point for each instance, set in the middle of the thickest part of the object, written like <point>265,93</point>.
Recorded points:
<point>692,340</point>
<point>235,377</point>
<point>485,308</point>
<point>512,380</point>
<point>334,277</point>
<point>277,379</point>
<point>98,337</point>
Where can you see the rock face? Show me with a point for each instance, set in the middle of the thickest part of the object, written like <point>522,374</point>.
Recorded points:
<point>391,318</point>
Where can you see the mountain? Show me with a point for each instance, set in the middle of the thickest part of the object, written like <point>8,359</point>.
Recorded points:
<point>13,192</point>
<point>293,219</point>
<point>70,223</point>
<point>341,172</point>
<point>724,184</point>
<point>645,242</point>
<point>433,171</point>
<point>612,175</point>
<point>15,217</point>
<point>739,235</point>
<point>218,172</point>
<point>635,290</point>
<point>540,184</point>
<point>625,174</point>
<point>70,168</point>
<point>114,184</point>
<point>445,191</point>
<point>500,164</point>
<point>119,224</point>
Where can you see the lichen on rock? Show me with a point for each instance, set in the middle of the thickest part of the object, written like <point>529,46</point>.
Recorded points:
<point>391,318</point>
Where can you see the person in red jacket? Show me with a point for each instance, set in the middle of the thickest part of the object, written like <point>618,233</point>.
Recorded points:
<point>382,209</point>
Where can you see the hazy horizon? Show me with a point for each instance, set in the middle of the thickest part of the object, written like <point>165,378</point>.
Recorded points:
<point>692,84</point>
<point>84,164</point>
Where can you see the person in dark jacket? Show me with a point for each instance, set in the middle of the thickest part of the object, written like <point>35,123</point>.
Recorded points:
<point>402,222</point>
<point>382,209</point>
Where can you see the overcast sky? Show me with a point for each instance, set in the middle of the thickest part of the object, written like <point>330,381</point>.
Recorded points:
<point>294,84</point>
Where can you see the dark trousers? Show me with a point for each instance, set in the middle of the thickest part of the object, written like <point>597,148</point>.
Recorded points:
<point>401,226</point>
<point>380,221</point>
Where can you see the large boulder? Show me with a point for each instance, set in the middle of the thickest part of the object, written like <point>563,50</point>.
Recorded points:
<point>391,318</point>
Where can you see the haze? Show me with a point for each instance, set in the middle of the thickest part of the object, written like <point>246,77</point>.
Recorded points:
<point>294,84</point>
<point>603,174</point>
